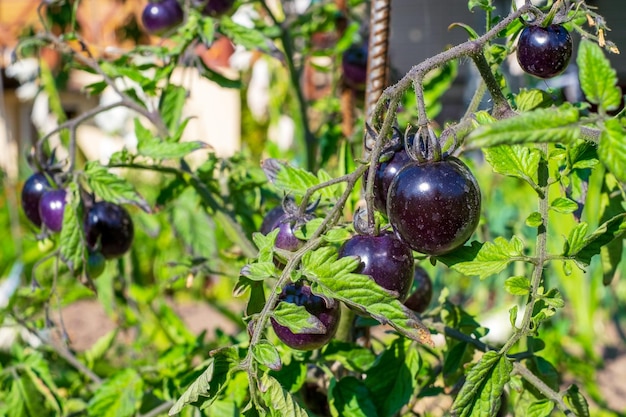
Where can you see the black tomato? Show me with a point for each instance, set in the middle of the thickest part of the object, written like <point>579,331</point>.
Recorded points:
<point>108,228</point>
<point>271,219</point>
<point>544,52</point>
<point>300,294</point>
<point>51,209</point>
<point>422,293</point>
<point>385,173</point>
<point>435,206</point>
<point>160,16</point>
<point>354,67</point>
<point>33,189</point>
<point>385,258</point>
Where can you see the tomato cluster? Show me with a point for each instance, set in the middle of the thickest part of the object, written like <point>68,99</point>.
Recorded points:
<point>160,16</point>
<point>107,227</point>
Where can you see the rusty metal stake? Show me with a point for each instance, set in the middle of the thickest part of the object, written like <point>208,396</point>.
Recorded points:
<point>378,47</point>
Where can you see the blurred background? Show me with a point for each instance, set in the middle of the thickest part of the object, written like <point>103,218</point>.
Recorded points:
<point>233,120</point>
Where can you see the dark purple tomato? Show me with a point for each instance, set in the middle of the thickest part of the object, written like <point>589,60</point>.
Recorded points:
<point>435,206</point>
<point>108,228</point>
<point>300,294</point>
<point>422,293</point>
<point>385,173</point>
<point>354,67</point>
<point>95,264</point>
<point>51,209</point>
<point>33,189</point>
<point>214,8</point>
<point>161,16</point>
<point>544,51</point>
<point>285,239</point>
<point>271,218</point>
<point>385,258</point>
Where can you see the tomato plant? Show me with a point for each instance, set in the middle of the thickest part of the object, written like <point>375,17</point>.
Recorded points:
<point>352,271</point>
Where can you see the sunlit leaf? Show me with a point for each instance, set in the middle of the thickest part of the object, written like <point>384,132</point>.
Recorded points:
<point>598,79</point>
<point>555,124</point>
<point>483,388</point>
<point>118,396</point>
<point>492,258</point>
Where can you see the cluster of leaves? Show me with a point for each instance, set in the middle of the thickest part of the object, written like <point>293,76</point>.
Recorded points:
<point>569,157</point>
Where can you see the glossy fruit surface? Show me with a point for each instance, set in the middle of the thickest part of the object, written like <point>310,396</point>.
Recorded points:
<point>109,229</point>
<point>434,207</point>
<point>544,52</point>
<point>160,16</point>
<point>422,293</point>
<point>51,209</point>
<point>33,189</point>
<point>300,294</point>
<point>385,173</point>
<point>385,258</point>
<point>354,67</point>
<point>214,8</point>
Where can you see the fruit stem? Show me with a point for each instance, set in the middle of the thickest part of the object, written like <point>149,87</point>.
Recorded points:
<point>501,107</point>
<point>313,243</point>
<point>346,325</point>
<point>547,20</point>
<point>540,259</point>
<point>374,157</point>
<point>416,74</point>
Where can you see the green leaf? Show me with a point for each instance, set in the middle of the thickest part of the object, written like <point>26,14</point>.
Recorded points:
<point>492,258</point>
<point>279,402</point>
<point>541,408</point>
<point>517,285</point>
<point>332,278</point>
<point>334,235</point>
<point>483,388</point>
<point>515,161</point>
<point>392,380</point>
<point>249,38</point>
<point>171,106</point>
<point>583,248</point>
<point>153,147</point>
<point>555,124</point>
<point>294,181</point>
<point>113,188</point>
<point>563,205</point>
<point>597,79</point>
<point>553,298</point>
<point>159,149</point>
<point>119,396</point>
<point>534,220</point>
<point>194,226</point>
<point>259,271</point>
<point>100,348</point>
<point>612,148</point>
<point>349,397</point>
<point>265,244</point>
<point>351,356</point>
<point>527,100</point>
<point>209,384</point>
<point>297,319</point>
<point>577,401</point>
<point>71,243</point>
<point>266,354</point>
<point>483,4</point>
